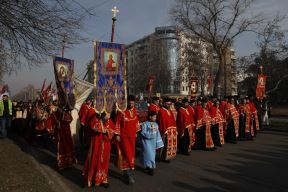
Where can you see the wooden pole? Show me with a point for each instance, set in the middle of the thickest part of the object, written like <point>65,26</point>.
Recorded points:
<point>114,11</point>
<point>94,72</point>
<point>113,29</point>
<point>63,45</point>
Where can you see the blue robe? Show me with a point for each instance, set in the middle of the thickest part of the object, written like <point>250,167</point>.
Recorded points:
<point>150,140</point>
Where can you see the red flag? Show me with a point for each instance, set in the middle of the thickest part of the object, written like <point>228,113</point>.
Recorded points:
<point>47,93</point>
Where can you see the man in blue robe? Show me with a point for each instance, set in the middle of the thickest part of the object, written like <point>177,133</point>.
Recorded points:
<point>151,141</point>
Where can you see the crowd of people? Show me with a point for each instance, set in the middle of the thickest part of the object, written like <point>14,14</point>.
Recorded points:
<point>172,127</point>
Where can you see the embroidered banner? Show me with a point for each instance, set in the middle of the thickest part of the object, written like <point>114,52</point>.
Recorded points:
<point>64,78</point>
<point>260,89</point>
<point>194,87</point>
<point>150,83</point>
<point>110,72</point>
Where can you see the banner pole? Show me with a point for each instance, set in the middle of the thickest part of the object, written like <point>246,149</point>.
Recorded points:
<point>94,72</point>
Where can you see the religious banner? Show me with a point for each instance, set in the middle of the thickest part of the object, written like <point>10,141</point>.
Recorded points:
<point>110,72</point>
<point>64,78</point>
<point>150,83</point>
<point>260,89</point>
<point>194,87</point>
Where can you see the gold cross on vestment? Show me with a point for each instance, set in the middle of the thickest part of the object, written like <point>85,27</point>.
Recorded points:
<point>115,10</point>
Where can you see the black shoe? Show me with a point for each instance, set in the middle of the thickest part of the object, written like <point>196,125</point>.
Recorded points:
<point>105,185</point>
<point>151,171</point>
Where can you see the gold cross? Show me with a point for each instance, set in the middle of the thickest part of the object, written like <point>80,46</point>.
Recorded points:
<point>115,10</point>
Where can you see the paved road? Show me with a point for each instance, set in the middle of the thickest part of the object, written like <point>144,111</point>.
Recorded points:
<point>259,165</point>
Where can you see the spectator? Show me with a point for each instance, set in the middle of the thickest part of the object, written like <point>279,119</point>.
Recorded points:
<point>5,114</point>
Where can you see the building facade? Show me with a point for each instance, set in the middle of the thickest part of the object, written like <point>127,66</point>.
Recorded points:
<point>164,55</point>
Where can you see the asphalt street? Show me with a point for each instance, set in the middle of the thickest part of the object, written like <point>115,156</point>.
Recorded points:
<point>258,165</point>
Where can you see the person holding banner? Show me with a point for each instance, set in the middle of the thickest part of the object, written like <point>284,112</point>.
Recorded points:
<point>97,162</point>
<point>127,125</point>
<point>61,119</point>
<point>83,132</point>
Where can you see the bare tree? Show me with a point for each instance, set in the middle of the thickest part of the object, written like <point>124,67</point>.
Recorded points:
<point>217,22</point>
<point>272,55</point>
<point>271,39</point>
<point>31,30</point>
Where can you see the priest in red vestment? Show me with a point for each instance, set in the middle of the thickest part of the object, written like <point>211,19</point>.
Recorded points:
<point>232,119</point>
<point>217,130</point>
<point>61,119</point>
<point>203,137</point>
<point>96,165</point>
<point>168,131</point>
<point>185,125</point>
<point>127,125</point>
<point>246,131</point>
<point>254,115</point>
<point>154,106</point>
<point>83,131</point>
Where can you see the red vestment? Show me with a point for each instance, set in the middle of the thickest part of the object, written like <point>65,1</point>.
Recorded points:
<point>217,118</point>
<point>83,113</point>
<point>232,114</point>
<point>255,115</point>
<point>153,107</point>
<point>127,125</point>
<point>249,119</point>
<point>222,108</point>
<point>98,157</point>
<point>65,147</point>
<point>184,121</point>
<point>91,113</point>
<point>167,127</point>
<point>203,119</point>
<point>209,105</point>
<point>192,113</point>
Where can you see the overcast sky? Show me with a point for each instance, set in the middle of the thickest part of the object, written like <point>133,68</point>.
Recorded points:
<point>136,19</point>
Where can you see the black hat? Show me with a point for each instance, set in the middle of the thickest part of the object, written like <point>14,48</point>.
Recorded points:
<point>192,100</point>
<point>185,100</point>
<point>166,99</point>
<point>155,98</point>
<point>204,100</point>
<point>131,98</point>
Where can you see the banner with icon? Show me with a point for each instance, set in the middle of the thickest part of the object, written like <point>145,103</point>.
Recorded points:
<point>109,74</point>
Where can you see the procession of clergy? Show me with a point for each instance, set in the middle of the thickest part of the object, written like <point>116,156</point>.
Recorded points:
<point>196,125</point>
<point>171,127</point>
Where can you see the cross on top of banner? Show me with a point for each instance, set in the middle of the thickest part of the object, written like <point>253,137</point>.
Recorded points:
<point>115,11</point>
